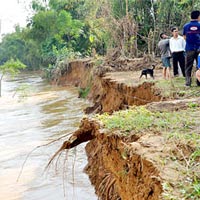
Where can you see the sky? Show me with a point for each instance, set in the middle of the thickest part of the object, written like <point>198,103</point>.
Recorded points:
<point>13,12</point>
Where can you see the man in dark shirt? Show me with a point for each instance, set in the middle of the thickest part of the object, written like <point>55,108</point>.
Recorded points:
<point>191,32</point>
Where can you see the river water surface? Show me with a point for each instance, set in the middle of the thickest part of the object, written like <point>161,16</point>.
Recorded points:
<point>33,116</point>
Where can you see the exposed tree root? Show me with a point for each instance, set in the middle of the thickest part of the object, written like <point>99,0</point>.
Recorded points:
<point>83,134</point>
<point>44,145</point>
<point>106,188</point>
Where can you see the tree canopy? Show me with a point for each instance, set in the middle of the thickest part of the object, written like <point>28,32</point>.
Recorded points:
<point>70,28</point>
<point>11,67</point>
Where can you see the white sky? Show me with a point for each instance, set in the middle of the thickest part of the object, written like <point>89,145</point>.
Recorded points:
<point>13,12</point>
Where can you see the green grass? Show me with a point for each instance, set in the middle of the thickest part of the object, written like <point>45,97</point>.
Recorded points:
<point>176,88</point>
<point>127,120</point>
<point>83,92</point>
<point>180,129</point>
<point>140,119</point>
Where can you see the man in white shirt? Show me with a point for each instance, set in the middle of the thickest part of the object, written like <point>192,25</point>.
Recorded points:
<point>177,48</point>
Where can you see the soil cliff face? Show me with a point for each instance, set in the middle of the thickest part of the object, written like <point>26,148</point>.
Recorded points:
<point>110,95</point>
<point>106,93</point>
<point>77,73</point>
<point>145,165</point>
<point>117,166</point>
<point>118,172</point>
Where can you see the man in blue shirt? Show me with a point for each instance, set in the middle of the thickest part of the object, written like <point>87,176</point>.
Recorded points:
<point>191,33</point>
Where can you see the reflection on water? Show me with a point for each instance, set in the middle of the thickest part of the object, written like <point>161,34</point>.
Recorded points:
<point>37,115</point>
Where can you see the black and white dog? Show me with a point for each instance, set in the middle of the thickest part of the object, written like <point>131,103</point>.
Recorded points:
<point>148,71</point>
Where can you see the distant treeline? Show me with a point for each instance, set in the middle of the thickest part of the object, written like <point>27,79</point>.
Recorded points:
<point>75,28</point>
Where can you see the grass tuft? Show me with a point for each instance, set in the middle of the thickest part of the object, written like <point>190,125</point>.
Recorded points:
<point>180,130</point>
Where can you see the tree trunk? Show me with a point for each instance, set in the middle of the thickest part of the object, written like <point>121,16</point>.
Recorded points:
<point>127,9</point>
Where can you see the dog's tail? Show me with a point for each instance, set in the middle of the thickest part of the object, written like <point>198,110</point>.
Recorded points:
<point>153,67</point>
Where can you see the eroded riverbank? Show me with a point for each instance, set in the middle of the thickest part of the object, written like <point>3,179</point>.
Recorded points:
<point>158,160</point>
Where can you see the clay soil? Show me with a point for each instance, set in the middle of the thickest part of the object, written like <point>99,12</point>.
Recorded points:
<point>118,90</point>
<point>150,164</point>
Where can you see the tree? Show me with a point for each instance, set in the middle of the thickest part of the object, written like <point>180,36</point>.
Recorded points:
<point>59,28</point>
<point>12,46</point>
<point>11,67</point>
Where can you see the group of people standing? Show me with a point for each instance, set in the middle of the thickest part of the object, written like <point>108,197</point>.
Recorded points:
<point>183,50</point>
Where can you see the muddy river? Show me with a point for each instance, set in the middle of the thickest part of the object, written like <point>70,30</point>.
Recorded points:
<point>33,113</point>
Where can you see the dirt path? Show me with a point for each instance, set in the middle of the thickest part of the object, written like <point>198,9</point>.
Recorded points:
<point>131,78</point>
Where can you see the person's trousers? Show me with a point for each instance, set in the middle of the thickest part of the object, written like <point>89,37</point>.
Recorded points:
<point>190,57</point>
<point>178,57</point>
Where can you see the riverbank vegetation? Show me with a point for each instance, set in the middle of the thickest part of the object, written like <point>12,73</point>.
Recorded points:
<point>180,153</point>
<point>61,29</point>
<point>11,67</point>
<point>175,89</point>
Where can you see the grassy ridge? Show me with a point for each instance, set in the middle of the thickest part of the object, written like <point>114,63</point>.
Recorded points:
<point>180,129</point>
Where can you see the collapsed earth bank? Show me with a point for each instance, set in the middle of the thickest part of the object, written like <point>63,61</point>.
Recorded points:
<point>133,165</point>
<point>107,93</point>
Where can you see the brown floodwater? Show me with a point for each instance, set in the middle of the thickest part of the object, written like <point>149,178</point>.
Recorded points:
<point>34,113</point>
